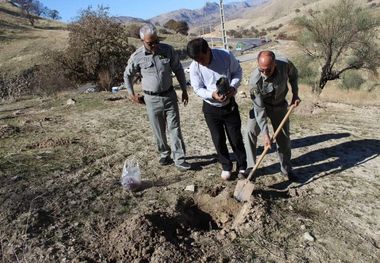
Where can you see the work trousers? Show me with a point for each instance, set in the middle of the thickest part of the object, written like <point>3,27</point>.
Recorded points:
<point>163,113</point>
<point>222,120</point>
<point>275,114</point>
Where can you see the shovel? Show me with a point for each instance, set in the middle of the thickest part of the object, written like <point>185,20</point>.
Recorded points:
<point>244,188</point>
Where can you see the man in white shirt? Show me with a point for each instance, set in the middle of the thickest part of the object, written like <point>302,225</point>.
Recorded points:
<point>220,110</point>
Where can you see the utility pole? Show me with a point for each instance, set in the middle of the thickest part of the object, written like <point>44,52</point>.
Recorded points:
<point>224,37</point>
<point>212,42</point>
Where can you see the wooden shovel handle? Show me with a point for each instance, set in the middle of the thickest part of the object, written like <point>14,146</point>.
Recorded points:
<point>271,139</point>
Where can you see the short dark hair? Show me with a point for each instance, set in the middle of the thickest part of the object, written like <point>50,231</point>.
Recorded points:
<point>197,46</point>
<point>271,53</point>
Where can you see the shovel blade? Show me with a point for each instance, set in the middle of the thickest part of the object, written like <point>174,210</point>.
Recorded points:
<point>243,190</point>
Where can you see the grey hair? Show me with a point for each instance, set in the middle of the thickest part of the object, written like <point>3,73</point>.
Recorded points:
<point>147,29</point>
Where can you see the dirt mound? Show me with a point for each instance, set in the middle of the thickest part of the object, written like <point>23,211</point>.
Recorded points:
<point>178,234</point>
<point>160,236</point>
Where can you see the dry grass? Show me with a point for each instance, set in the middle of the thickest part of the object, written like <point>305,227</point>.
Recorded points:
<point>22,45</point>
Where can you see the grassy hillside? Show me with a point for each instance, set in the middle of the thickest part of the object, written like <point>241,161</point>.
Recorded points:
<point>21,45</point>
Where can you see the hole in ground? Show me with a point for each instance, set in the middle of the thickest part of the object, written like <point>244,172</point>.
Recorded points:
<point>199,220</point>
<point>177,226</point>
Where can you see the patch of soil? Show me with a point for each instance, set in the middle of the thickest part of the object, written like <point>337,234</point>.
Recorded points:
<point>178,234</point>
<point>160,236</point>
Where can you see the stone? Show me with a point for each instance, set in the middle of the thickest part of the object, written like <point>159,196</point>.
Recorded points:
<point>190,188</point>
<point>71,101</point>
<point>224,218</point>
<point>232,235</point>
<point>307,236</point>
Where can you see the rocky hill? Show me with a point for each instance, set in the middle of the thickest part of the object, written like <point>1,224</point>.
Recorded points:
<point>207,15</point>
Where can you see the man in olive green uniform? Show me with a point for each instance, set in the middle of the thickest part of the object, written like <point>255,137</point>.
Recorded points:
<point>269,86</point>
<point>155,62</point>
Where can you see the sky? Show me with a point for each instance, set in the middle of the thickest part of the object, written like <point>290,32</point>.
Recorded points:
<point>69,9</point>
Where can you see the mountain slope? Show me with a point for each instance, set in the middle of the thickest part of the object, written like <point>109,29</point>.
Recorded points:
<point>209,14</point>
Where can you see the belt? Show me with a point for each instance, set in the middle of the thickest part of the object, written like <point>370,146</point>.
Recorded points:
<point>162,93</point>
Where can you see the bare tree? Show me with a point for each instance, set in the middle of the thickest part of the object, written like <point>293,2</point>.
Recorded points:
<point>341,38</point>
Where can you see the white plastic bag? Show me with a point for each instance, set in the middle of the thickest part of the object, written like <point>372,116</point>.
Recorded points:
<point>131,177</point>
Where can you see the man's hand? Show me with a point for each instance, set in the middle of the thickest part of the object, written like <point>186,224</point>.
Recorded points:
<point>137,98</point>
<point>267,141</point>
<point>296,100</point>
<point>185,97</point>
<point>231,92</point>
<point>216,96</point>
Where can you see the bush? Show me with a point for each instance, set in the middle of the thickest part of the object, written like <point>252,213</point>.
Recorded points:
<point>12,87</point>
<point>307,72</point>
<point>98,48</point>
<point>178,26</point>
<point>45,79</point>
<point>133,30</point>
<point>352,80</point>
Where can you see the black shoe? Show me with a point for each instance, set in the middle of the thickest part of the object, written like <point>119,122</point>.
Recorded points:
<point>165,160</point>
<point>183,166</point>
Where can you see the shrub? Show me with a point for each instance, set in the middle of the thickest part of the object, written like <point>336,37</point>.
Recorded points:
<point>352,80</point>
<point>97,44</point>
<point>178,26</point>
<point>12,87</point>
<point>45,79</point>
<point>307,72</point>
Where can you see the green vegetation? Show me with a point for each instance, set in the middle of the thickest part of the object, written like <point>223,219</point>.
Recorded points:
<point>341,38</point>
<point>177,26</point>
<point>352,80</point>
<point>98,49</point>
<point>306,69</point>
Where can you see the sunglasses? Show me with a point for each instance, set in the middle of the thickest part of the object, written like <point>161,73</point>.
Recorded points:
<point>268,70</point>
<point>151,44</point>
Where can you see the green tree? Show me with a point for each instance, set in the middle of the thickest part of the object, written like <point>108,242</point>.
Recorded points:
<point>178,26</point>
<point>30,9</point>
<point>341,38</point>
<point>98,49</point>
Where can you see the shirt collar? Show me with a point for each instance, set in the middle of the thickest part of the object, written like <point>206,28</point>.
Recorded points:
<point>147,52</point>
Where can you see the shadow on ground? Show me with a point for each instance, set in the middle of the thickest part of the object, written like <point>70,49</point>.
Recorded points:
<point>297,143</point>
<point>332,160</point>
<point>199,161</point>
